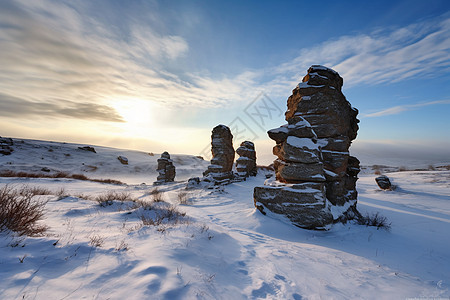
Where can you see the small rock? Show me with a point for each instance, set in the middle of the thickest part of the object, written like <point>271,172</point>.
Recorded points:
<point>383,182</point>
<point>193,182</point>
<point>123,160</point>
<point>45,169</point>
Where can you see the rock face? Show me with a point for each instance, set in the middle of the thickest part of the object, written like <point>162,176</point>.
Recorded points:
<point>6,146</point>
<point>87,148</point>
<point>222,154</point>
<point>314,170</point>
<point>165,168</point>
<point>383,182</point>
<point>246,163</point>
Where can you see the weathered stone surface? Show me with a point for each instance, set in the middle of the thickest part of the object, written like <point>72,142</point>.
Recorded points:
<point>294,172</point>
<point>304,208</point>
<point>297,149</point>
<point>193,182</point>
<point>165,168</point>
<point>339,143</point>
<point>383,182</point>
<point>222,152</point>
<point>123,160</point>
<point>88,148</point>
<point>313,148</point>
<point>6,141</point>
<point>246,163</point>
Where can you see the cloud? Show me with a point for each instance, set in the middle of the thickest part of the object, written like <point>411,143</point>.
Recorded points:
<point>15,107</point>
<point>401,108</point>
<point>388,55</point>
<point>70,52</point>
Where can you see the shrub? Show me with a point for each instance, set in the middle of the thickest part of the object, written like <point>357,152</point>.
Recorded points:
<point>20,213</point>
<point>109,197</point>
<point>157,195</point>
<point>169,215</point>
<point>183,197</point>
<point>61,193</point>
<point>375,220</point>
<point>34,191</point>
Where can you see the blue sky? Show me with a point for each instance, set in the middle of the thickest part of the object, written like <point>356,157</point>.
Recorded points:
<point>157,75</point>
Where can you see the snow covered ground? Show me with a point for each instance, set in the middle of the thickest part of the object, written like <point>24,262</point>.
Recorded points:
<point>223,248</point>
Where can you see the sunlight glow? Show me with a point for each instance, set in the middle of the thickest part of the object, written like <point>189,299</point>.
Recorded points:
<point>138,115</point>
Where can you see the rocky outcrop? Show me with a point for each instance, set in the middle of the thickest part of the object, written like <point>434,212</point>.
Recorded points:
<point>383,182</point>
<point>88,148</point>
<point>222,154</point>
<point>314,171</point>
<point>165,168</point>
<point>6,146</point>
<point>246,163</point>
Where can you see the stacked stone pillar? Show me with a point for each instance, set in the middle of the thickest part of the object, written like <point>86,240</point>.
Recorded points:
<point>246,163</point>
<point>314,171</point>
<point>166,169</point>
<point>222,154</point>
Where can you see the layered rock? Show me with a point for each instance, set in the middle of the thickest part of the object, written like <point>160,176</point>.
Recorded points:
<point>222,154</point>
<point>6,146</point>
<point>165,168</point>
<point>246,163</point>
<point>313,150</point>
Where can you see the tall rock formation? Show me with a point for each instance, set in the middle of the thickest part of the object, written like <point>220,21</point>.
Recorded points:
<point>246,163</point>
<point>165,168</point>
<point>222,152</point>
<point>315,174</point>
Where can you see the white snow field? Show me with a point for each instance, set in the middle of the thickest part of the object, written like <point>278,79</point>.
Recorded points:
<point>223,248</point>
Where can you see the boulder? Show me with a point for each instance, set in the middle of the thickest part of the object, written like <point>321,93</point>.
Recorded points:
<point>123,160</point>
<point>305,208</point>
<point>383,182</point>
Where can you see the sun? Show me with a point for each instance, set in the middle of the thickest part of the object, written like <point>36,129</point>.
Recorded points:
<point>139,115</point>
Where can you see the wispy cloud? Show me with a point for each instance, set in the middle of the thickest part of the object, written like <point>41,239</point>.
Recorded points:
<point>401,108</point>
<point>13,107</point>
<point>382,56</point>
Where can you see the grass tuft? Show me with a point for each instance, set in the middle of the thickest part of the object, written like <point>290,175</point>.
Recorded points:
<point>375,220</point>
<point>108,198</point>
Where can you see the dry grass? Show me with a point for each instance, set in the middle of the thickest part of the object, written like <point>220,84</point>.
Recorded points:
<point>34,191</point>
<point>108,198</point>
<point>375,220</point>
<point>183,197</point>
<point>96,241</point>
<point>9,173</point>
<point>61,193</point>
<point>168,215</point>
<point>19,212</point>
<point>157,195</point>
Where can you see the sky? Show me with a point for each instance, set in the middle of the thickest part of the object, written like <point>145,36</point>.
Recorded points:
<point>159,75</point>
